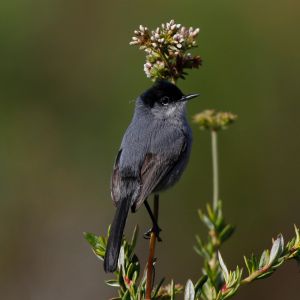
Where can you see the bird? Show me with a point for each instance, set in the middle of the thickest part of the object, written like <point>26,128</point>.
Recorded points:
<point>154,152</point>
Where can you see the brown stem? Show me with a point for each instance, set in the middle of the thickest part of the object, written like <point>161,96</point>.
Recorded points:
<point>153,238</point>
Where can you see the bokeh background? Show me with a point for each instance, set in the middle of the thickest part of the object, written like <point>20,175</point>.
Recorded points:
<point>68,78</point>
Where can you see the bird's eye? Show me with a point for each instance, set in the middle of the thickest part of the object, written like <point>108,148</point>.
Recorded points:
<point>165,100</point>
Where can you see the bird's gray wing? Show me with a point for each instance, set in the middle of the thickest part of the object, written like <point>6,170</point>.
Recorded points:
<point>125,180</point>
<point>115,180</point>
<point>154,169</point>
<point>144,161</point>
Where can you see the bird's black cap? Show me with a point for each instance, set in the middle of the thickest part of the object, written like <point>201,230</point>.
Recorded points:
<point>161,88</point>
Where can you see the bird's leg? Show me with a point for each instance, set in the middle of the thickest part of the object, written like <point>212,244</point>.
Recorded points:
<point>155,228</point>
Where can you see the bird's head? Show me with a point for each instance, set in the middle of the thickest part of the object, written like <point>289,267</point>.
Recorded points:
<point>165,100</point>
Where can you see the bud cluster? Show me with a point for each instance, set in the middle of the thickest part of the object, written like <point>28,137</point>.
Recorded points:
<point>213,120</point>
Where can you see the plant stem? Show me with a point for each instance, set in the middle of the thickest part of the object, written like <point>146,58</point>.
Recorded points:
<point>265,269</point>
<point>153,238</point>
<point>214,144</point>
<point>253,276</point>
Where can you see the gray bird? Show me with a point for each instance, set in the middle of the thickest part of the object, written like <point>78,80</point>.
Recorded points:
<point>153,155</point>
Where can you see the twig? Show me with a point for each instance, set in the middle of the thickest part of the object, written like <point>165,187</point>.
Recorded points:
<point>254,275</point>
<point>153,238</point>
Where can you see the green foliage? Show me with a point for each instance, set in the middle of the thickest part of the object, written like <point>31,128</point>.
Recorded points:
<point>129,281</point>
<point>270,260</point>
<point>218,232</point>
<point>232,280</point>
<point>222,283</point>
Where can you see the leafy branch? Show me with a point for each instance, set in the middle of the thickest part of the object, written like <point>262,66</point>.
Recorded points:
<point>259,267</point>
<point>129,281</point>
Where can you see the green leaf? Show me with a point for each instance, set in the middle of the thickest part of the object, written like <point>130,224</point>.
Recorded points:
<point>130,270</point>
<point>200,249</point>
<point>189,292</point>
<point>91,238</point>
<point>199,284</point>
<point>266,274</point>
<point>226,233</point>
<point>134,236</point>
<point>223,267</point>
<point>209,292</point>
<point>297,256</point>
<point>98,244</point>
<point>248,264</point>
<point>112,282</point>
<point>277,248</point>
<point>158,287</point>
<point>126,296</point>
<point>210,212</point>
<point>102,241</point>
<point>205,220</point>
<point>264,259</point>
<point>219,218</point>
<point>297,241</point>
<point>121,260</point>
<point>279,262</point>
<point>172,290</point>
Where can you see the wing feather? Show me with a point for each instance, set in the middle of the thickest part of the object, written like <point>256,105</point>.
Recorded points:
<point>154,169</point>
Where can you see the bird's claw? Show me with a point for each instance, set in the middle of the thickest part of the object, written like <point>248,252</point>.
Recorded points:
<point>154,229</point>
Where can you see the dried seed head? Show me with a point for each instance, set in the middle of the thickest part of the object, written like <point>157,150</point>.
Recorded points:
<point>212,120</point>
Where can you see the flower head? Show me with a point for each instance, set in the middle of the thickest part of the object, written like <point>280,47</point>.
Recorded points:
<point>166,50</point>
<point>213,120</point>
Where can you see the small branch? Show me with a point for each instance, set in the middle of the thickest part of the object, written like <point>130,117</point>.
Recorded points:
<point>292,253</point>
<point>153,238</point>
<point>214,145</point>
<point>253,276</point>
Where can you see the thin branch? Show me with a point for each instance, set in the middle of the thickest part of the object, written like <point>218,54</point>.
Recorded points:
<point>153,238</point>
<point>292,253</point>
<point>253,276</point>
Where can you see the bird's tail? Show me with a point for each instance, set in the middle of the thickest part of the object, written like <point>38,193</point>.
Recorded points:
<point>115,236</point>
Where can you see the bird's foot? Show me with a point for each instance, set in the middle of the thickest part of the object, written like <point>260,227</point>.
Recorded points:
<point>155,229</point>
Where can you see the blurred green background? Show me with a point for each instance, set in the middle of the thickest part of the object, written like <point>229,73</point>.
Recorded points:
<point>68,78</point>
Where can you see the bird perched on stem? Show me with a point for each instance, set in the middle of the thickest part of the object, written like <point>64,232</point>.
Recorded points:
<point>153,155</point>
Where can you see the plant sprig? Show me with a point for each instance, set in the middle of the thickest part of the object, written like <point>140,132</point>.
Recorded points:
<point>218,232</point>
<point>259,267</point>
<point>167,49</point>
<point>129,281</point>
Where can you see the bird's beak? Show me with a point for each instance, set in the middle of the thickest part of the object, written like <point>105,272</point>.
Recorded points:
<point>188,97</point>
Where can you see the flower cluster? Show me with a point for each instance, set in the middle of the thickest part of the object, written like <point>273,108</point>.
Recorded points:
<point>212,120</point>
<point>166,50</point>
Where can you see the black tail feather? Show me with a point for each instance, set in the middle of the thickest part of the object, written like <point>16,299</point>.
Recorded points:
<point>115,236</point>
